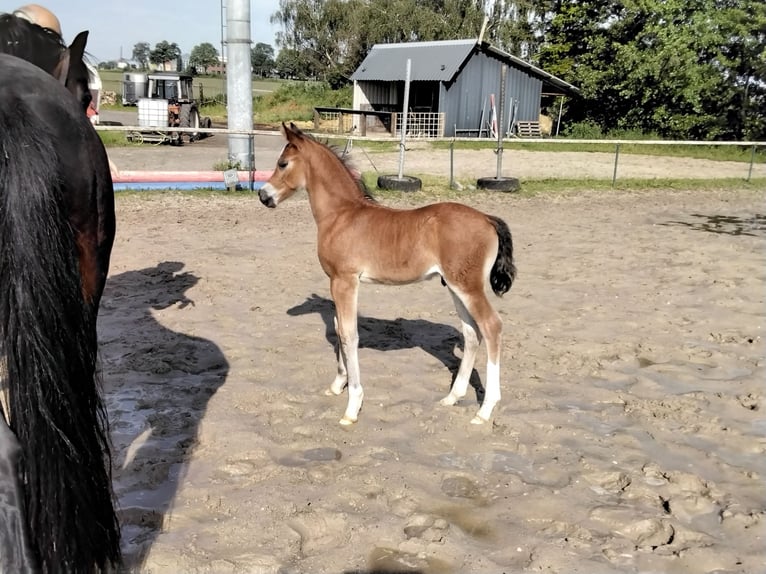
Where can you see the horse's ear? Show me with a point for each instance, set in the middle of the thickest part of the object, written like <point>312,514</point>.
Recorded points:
<point>75,53</point>
<point>77,47</point>
<point>296,130</point>
<point>292,133</point>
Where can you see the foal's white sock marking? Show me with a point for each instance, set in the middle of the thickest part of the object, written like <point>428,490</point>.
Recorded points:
<point>491,394</point>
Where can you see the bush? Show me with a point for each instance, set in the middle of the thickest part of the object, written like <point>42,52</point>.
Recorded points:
<point>295,101</point>
<point>585,130</point>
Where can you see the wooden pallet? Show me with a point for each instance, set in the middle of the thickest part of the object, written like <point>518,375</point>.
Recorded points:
<point>528,130</point>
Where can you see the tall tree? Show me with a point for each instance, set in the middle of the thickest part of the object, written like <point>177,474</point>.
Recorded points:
<point>203,56</point>
<point>676,68</point>
<point>164,52</point>
<point>141,53</point>
<point>262,59</point>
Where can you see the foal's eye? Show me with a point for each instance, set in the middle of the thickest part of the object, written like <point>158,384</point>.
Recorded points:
<point>282,163</point>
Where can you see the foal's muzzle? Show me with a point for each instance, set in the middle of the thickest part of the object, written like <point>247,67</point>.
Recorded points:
<point>266,198</point>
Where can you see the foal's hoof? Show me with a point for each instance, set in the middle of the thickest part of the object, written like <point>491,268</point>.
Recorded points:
<point>345,421</point>
<point>448,401</point>
<point>477,420</point>
<point>332,393</point>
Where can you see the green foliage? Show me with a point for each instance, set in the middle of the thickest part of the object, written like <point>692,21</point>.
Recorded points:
<point>680,69</point>
<point>262,59</point>
<point>203,56</point>
<point>164,52</point>
<point>141,52</point>
<point>328,40</point>
<point>584,130</point>
<point>295,101</point>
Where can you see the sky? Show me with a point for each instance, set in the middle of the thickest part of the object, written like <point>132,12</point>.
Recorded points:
<point>115,27</point>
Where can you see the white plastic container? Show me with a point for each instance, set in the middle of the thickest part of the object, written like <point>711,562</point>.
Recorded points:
<point>152,113</point>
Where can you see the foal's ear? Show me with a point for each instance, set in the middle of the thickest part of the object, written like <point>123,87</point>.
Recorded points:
<point>292,132</point>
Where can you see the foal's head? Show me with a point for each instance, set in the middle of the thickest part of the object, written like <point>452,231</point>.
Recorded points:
<point>294,167</point>
<point>45,48</point>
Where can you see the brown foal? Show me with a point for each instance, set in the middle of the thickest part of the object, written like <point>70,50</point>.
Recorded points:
<point>359,240</point>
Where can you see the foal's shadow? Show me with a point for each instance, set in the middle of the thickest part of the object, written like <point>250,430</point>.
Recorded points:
<point>436,339</point>
<point>157,386</point>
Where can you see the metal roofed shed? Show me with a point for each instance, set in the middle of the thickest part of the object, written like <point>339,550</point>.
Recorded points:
<point>457,79</point>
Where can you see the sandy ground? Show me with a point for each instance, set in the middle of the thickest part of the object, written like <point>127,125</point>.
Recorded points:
<point>630,436</point>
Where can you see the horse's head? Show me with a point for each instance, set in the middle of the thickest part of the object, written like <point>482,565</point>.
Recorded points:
<point>290,173</point>
<point>45,48</point>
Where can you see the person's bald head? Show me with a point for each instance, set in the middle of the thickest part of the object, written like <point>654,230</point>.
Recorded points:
<point>39,15</point>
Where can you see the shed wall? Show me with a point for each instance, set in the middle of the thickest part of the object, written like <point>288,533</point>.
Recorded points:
<point>463,101</point>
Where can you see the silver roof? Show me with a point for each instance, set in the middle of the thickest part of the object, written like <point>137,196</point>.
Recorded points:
<point>439,61</point>
<point>430,61</point>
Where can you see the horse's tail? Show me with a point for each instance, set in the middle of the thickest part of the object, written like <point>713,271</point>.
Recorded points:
<point>503,271</point>
<point>48,338</point>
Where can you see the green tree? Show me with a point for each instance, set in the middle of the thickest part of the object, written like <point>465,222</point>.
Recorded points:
<point>164,52</point>
<point>203,56</point>
<point>289,64</point>
<point>141,53</point>
<point>332,37</point>
<point>675,68</point>
<point>262,59</point>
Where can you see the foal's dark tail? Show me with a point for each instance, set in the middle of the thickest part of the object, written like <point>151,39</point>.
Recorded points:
<point>48,338</point>
<point>503,271</point>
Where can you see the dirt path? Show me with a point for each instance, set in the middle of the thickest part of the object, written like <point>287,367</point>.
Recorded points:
<point>630,436</point>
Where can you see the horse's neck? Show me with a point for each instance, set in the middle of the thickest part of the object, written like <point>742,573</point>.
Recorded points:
<point>330,186</point>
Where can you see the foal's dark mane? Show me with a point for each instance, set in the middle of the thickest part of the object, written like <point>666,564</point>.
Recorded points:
<point>345,160</point>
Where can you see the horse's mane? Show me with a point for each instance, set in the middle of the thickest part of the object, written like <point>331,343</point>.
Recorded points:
<point>345,160</point>
<point>28,41</point>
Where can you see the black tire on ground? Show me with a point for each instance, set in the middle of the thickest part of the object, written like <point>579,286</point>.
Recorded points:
<point>506,184</point>
<point>393,182</point>
<point>188,117</point>
<point>205,122</point>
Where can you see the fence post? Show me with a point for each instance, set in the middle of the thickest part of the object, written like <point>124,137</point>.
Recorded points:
<point>752,160</point>
<point>452,164</point>
<point>616,157</point>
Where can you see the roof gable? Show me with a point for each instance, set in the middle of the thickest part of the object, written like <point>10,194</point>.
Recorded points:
<point>437,61</point>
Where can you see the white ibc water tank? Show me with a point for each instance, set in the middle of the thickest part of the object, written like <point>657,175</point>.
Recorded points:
<point>152,113</point>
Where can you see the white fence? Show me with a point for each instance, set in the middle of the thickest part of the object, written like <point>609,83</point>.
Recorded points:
<point>164,136</point>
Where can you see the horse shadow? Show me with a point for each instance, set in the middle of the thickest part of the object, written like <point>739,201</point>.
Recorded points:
<point>157,384</point>
<point>752,226</point>
<point>436,339</point>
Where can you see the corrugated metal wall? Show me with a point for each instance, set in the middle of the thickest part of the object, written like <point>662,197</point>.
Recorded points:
<point>369,95</point>
<point>463,101</point>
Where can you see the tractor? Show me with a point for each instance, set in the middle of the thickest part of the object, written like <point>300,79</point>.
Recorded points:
<point>182,109</point>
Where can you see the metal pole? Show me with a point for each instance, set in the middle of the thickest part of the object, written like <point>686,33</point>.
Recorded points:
<point>752,159</point>
<point>616,157</point>
<point>503,72</point>
<point>404,117</point>
<point>452,164</point>
<point>558,121</point>
<point>239,105</point>
<point>223,45</point>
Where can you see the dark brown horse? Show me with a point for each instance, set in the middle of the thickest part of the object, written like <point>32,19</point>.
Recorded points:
<point>57,228</point>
